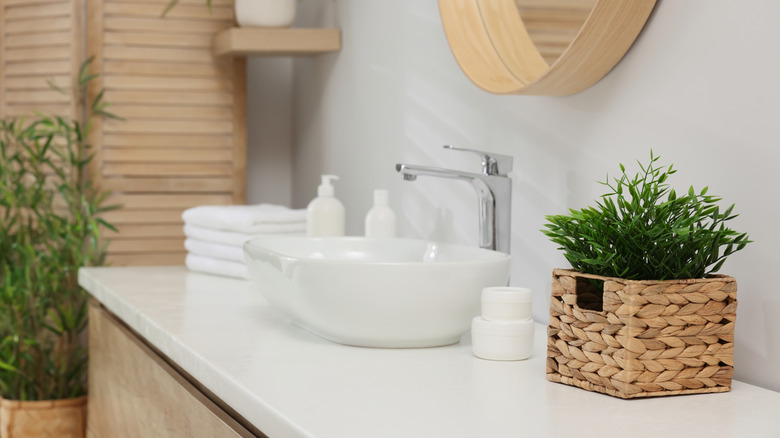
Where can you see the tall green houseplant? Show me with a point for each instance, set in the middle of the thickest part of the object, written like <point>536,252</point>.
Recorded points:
<point>642,229</point>
<point>50,227</point>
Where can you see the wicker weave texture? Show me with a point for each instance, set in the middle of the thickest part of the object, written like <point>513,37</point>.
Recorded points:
<point>43,419</point>
<point>647,338</point>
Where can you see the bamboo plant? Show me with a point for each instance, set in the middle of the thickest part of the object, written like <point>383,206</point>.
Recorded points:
<point>50,227</point>
<point>642,229</point>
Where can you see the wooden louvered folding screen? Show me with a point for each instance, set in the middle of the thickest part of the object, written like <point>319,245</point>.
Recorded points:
<point>39,39</point>
<point>183,140</point>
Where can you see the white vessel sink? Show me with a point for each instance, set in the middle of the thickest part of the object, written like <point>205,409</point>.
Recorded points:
<point>391,293</point>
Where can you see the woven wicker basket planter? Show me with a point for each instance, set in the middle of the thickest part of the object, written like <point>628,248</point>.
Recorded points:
<point>647,338</point>
<point>43,419</point>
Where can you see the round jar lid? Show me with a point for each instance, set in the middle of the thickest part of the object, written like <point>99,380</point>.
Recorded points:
<point>506,294</point>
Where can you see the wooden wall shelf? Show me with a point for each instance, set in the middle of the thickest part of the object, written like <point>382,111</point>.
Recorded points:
<point>276,42</point>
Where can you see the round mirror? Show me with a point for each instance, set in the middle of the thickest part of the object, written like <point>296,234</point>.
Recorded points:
<point>541,47</point>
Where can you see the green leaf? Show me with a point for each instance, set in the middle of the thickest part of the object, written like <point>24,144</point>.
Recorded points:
<point>168,8</point>
<point>7,367</point>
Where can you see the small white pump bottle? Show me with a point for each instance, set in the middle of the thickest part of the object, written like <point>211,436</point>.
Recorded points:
<point>380,220</point>
<point>325,214</point>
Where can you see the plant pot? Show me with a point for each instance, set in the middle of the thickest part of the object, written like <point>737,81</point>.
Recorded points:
<point>265,13</point>
<point>641,338</point>
<point>43,419</point>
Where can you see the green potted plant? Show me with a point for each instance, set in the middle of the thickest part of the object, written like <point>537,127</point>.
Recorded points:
<point>642,314</point>
<point>50,227</point>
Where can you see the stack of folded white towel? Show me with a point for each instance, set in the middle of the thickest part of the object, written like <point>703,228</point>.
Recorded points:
<point>215,234</point>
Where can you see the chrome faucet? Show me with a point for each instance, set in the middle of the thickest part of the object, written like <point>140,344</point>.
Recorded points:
<point>494,191</point>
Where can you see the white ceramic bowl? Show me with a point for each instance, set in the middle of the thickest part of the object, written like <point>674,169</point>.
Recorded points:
<point>391,293</point>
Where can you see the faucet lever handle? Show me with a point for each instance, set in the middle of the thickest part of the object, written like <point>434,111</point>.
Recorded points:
<point>492,163</point>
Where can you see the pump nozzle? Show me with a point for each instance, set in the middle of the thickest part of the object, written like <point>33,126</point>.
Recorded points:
<point>326,188</point>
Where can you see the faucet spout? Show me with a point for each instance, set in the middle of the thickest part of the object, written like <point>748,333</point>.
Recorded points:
<point>410,172</point>
<point>494,194</point>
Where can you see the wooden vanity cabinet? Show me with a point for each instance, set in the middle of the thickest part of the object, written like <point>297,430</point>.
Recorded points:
<point>136,392</point>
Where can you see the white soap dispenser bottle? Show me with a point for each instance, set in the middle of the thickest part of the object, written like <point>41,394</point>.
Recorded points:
<point>380,220</point>
<point>325,214</point>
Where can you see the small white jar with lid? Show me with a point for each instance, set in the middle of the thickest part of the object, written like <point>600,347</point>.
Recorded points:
<point>502,340</point>
<point>506,303</point>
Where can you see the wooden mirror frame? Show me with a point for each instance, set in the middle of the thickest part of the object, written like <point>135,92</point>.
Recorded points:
<point>493,48</point>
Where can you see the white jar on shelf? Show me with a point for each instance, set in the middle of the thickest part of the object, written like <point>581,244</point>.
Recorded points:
<point>265,13</point>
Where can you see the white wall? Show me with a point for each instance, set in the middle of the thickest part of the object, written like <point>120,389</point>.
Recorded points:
<point>700,87</point>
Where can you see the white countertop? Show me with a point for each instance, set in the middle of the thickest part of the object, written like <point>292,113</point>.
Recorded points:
<point>290,383</point>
